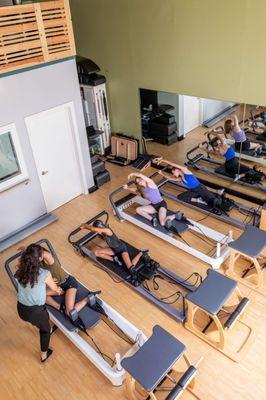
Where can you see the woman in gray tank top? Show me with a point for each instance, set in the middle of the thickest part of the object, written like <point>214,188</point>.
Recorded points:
<point>32,281</point>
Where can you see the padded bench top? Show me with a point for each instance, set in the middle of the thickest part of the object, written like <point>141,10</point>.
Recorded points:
<point>178,225</point>
<point>149,365</point>
<point>212,294</point>
<point>251,242</point>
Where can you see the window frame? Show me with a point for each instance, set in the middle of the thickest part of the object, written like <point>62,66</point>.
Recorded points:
<point>23,174</point>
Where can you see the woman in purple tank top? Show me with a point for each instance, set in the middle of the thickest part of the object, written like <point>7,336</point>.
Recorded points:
<point>242,143</point>
<point>149,190</point>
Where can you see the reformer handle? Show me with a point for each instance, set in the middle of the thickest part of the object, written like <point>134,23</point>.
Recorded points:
<point>90,221</point>
<point>183,381</point>
<point>235,314</point>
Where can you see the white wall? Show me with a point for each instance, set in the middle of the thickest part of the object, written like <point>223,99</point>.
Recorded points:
<point>28,93</point>
<point>213,107</point>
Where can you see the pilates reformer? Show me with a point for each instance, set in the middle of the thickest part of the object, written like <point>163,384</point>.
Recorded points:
<point>210,295</point>
<point>217,169</point>
<point>148,276</point>
<point>177,192</point>
<point>91,316</point>
<point>173,236</point>
<point>248,155</point>
<point>257,126</point>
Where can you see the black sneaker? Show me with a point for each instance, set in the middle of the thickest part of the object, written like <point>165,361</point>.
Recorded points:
<point>49,353</point>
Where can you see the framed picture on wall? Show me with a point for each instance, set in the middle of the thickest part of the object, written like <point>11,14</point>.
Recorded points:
<point>12,165</point>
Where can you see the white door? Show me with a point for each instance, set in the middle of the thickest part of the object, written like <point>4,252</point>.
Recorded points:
<point>53,145</point>
<point>192,113</point>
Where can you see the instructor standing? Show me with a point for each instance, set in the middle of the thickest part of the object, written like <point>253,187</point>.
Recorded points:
<point>32,281</point>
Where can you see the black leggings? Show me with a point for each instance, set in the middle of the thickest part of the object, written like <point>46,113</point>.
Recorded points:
<point>204,193</point>
<point>37,316</point>
<point>233,167</point>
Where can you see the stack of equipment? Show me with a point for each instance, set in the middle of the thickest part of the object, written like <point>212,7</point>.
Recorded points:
<point>163,129</point>
<point>100,173</point>
<point>124,149</point>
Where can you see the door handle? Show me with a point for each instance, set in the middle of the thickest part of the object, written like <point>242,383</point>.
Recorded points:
<point>44,172</point>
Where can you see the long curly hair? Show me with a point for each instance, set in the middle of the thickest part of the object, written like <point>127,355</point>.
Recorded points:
<point>29,265</point>
<point>228,125</point>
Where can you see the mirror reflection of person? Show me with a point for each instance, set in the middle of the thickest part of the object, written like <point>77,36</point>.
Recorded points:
<point>242,143</point>
<point>232,165</point>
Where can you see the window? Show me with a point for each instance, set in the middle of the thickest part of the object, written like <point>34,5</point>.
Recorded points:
<point>12,166</point>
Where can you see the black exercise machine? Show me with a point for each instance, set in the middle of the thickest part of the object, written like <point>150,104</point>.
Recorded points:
<point>90,316</point>
<point>210,295</point>
<point>148,275</point>
<point>217,169</point>
<point>177,192</point>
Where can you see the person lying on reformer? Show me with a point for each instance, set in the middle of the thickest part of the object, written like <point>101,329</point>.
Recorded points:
<point>232,165</point>
<point>242,143</point>
<point>199,193</point>
<point>116,248</point>
<point>67,283</point>
<point>148,189</point>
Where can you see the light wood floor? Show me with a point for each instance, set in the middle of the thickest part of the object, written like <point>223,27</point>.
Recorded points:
<point>69,375</point>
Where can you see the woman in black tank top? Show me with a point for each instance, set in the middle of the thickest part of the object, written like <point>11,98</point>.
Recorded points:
<point>116,247</point>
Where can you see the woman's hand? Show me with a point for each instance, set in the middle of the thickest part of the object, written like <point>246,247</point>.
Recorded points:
<point>60,291</point>
<point>85,226</point>
<point>157,160</point>
<point>132,175</point>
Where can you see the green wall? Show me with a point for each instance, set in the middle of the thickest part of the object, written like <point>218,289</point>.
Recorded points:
<point>206,48</point>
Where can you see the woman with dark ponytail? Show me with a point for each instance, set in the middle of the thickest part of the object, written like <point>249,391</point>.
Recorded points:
<point>32,281</point>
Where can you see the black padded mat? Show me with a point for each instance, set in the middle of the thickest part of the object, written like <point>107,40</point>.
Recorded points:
<point>213,292</point>
<point>88,315</point>
<point>121,271</point>
<point>180,226</point>
<point>251,242</point>
<point>222,171</point>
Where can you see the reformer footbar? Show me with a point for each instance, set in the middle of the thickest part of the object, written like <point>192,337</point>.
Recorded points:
<point>252,215</point>
<point>251,246</point>
<point>147,274</point>
<point>209,295</point>
<point>89,318</point>
<point>121,210</point>
<point>219,170</point>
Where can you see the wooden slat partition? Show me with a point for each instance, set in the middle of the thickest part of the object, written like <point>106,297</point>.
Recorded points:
<point>35,33</point>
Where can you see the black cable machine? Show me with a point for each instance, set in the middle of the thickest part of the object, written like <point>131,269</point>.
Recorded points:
<point>217,169</point>
<point>209,295</point>
<point>252,216</point>
<point>148,275</point>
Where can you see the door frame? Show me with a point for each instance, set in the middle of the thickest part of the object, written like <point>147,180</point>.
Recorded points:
<point>70,108</point>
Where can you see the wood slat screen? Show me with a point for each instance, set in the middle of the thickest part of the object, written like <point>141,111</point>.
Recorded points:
<point>35,33</point>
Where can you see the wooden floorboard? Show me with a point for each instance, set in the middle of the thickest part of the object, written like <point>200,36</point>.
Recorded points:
<point>69,375</point>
